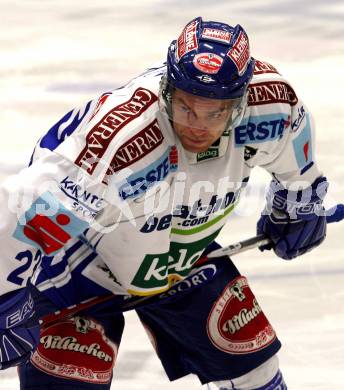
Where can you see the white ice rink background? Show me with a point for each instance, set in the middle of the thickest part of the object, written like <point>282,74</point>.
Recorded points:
<point>56,54</point>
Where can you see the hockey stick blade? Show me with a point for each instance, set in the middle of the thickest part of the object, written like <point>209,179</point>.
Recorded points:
<point>334,214</point>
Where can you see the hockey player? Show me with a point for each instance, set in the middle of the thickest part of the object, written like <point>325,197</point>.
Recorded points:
<point>126,196</point>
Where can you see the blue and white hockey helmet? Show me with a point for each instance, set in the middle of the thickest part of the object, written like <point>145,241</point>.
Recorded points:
<point>210,59</point>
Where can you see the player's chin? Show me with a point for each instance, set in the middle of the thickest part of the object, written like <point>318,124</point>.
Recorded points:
<point>195,148</point>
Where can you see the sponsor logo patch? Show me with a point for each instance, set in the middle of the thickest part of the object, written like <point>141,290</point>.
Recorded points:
<point>249,152</point>
<point>295,209</point>
<point>161,271</point>
<point>25,311</point>
<point>261,129</point>
<point>240,53</point>
<point>208,62</point>
<point>302,145</point>
<point>76,349</point>
<point>191,216</point>
<point>206,79</point>
<point>141,181</point>
<point>135,148</point>
<point>297,122</point>
<point>271,92</point>
<point>196,278</point>
<point>173,157</point>
<point>99,137</point>
<point>51,229</point>
<point>216,35</point>
<point>187,40</point>
<point>261,67</point>
<point>83,201</point>
<point>208,154</point>
<point>236,323</point>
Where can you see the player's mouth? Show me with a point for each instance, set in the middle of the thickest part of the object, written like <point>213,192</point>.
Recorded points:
<point>195,145</point>
<point>196,141</point>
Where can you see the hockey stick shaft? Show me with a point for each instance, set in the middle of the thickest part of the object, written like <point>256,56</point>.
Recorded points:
<point>116,302</point>
<point>334,214</point>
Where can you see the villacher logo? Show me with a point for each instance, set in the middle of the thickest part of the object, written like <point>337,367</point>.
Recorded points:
<point>66,352</point>
<point>236,323</point>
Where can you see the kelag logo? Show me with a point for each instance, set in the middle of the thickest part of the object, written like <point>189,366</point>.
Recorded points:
<point>261,129</point>
<point>48,230</point>
<point>140,182</point>
<point>159,271</point>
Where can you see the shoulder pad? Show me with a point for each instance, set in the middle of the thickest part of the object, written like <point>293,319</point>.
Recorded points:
<point>263,67</point>
<point>268,86</point>
<point>113,124</point>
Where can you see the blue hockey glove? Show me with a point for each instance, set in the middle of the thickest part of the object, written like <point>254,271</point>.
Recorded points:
<point>19,328</point>
<point>294,221</point>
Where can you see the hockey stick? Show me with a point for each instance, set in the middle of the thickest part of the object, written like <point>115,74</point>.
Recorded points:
<point>117,302</point>
<point>334,214</point>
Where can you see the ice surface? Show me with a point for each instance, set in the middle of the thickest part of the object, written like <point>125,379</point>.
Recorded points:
<point>55,55</point>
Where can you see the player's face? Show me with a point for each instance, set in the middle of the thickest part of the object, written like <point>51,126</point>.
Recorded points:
<point>199,121</point>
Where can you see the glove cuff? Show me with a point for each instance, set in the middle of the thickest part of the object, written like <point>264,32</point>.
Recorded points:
<point>15,308</point>
<point>297,204</point>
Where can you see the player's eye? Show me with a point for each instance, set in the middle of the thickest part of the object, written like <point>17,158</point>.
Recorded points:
<point>185,109</point>
<point>216,115</point>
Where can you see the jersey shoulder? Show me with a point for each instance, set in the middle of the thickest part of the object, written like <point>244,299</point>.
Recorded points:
<point>273,108</point>
<point>124,140</point>
<point>268,88</point>
<point>118,130</point>
<point>141,90</point>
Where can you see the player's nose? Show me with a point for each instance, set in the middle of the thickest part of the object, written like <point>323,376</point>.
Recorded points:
<point>195,133</point>
<point>198,128</point>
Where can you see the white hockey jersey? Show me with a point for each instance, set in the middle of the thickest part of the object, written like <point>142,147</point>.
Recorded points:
<point>112,201</point>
